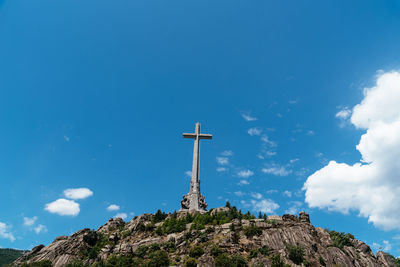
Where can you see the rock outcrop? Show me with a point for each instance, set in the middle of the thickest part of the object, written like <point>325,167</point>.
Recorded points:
<point>205,239</point>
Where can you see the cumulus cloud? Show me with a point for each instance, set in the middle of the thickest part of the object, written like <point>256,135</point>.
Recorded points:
<point>5,232</point>
<point>245,174</point>
<point>63,207</point>
<point>276,170</point>
<point>40,228</point>
<point>222,160</point>
<point>77,193</point>
<point>30,221</point>
<point>264,205</point>
<point>372,185</point>
<point>121,215</point>
<point>113,207</point>
<point>248,117</point>
<point>254,131</point>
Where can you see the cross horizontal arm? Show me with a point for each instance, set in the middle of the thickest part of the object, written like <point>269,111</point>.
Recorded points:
<point>205,136</point>
<point>189,135</point>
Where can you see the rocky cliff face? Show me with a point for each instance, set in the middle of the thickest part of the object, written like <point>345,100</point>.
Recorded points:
<point>220,237</point>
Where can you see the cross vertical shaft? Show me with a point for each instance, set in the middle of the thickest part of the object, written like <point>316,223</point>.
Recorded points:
<point>194,200</point>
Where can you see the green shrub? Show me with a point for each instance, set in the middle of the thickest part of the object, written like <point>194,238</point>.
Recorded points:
<point>190,262</point>
<point>215,251</point>
<point>159,216</point>
<point>265,250</point>
<point>196,251</point>
<point>341,239</point>
<point>141,251</point>
<point>296,253</point>
<point>277,262</point>
<point>252,230</point>
<point>322,261</point>
<point>222,260</point>
<point>158,258</point>
<point>44,263</point>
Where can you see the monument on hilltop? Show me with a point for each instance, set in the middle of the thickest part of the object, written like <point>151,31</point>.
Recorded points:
<point>194,201</point>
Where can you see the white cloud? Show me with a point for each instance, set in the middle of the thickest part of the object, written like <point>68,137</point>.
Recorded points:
<point>77,193</point>
<point>30,221</point>
<point>264,205</point>
<point>293,160</point>
<point>5,233</point>
<point>66,138</point>
<point>277,170</point>
<point>222,160</point>
<point>221,169</point>
<point>266,140</point>
<point>188,173</point>
<point>243,182</point>
<point>63,207</point>
<point>272,191</point>
<point>344,113</point>
<point>113,207</point>
<point>256,195</point>
<point>287,193</point>
<point>239,193</point>
<point>370,186</point>
<point>227,153</point>
<point>40,228</point>
<point>254,131</point>
<point>294,207</point>
<point>247,117</point>
<point>245,174</point>
<point>385,247</point>
<point>121,215</point>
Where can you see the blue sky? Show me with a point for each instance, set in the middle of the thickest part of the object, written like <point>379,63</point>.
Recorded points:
<point>96,94</point>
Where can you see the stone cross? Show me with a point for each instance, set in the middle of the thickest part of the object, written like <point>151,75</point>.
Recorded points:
<point>194,201</point>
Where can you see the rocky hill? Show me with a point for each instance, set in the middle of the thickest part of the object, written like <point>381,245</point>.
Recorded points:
<point>220,237</point>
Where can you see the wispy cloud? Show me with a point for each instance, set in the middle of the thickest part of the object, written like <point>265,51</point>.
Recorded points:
<point>248,117</point>
<point>343,115</point>
<point>267,141</point>
<point>256,195</point>
<point>254,131</point>
<point>277,170</point>
<point>121,215</point>
<point>264,205</point>
<point>243,182</point>
<point>227,153</point>
<point>40,228</point>
<point>245,173</point>
<point>221,169</point>
<point>293,207</point>
<point>188,173</point>
<point>222,160</point>
<point>239,193</point>
<point>287,193</point>
<point>30,221</point>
